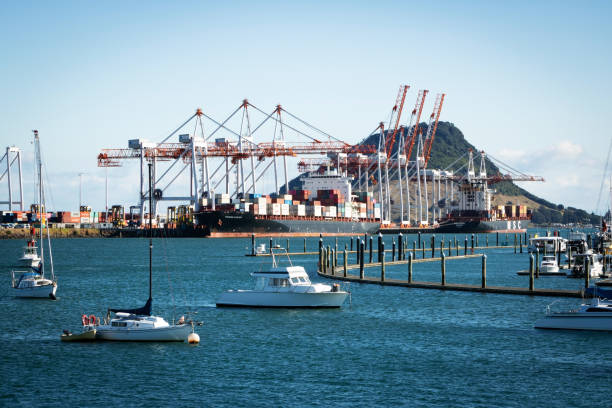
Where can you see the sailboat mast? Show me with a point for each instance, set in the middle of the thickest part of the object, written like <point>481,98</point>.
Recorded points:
<point>150,236</point>
<point>38,210</point>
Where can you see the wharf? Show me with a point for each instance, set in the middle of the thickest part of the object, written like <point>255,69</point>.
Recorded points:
<point>329,268</point>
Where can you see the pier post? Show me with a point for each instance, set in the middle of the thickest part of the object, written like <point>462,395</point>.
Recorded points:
<point>497,239</point>
<point>400,247</point>
<point>423,248</point>
<point>515,243</point>
<point>525,237</point>
<point>382,263</point>
<point>323,255</point>
<point>472,245</point>
<point>433,246</point>
<point>379,246</point>
<point>332,268</point>
<point>409,268</point>
<point>361,249</point>
<point>569,258</point>
<point>321,251</point>
<point>484,271</point>
<point>365,240</point>
<point>392,252</point>
<point>351,244</point>
<point>441,247</point>
<point>328,253</point>
<point>531,273</point>
<point>414,249</point>
<point>335,258</point>
<point>288,245</point>
<point>457,247</point>
<point>253,244</point>
<point>345,261</point>
<point>270,245</point>
<point>370,249</point>
<point>450,248</point>
<point>443,268</point>
<point>521,246</point>
<point>537,263</point>
<point>558,253</point>
<point>587,271</point>
<point>304,245</point>
<point>465,248</point>
<point>419,235</point>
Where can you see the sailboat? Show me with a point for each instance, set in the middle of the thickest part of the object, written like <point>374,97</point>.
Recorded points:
<point>32,283</point>
<point>138,324</point>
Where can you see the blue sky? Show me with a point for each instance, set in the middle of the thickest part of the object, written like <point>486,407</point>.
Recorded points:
<point>526,81</point>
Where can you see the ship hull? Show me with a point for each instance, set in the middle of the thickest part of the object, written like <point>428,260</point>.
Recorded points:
<point>238,222</point>
<point>480,226</point>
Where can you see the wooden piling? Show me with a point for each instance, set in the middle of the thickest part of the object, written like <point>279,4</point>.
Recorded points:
<point>392,251</point>
<point>345,261</point>
<point>433,246</point>
<point>465,248</point>
<point>419,235</point>
<point>441,247</point>
<point>410,268</point>
<point>450,248</point>
<point>379,245</point>
<point>531,273</point>
<point>361,273</point>
<point>253,244</point>
<point>304,245</point>
<point>423,248</point>
<point>400,247</point>
<point>484,271</point>
<point>351,244</point>
<point>370,249</point>
<point>270,249</point>
<point>443,269</point>
<point>537,263</point>
<point>587,271</point>
<point>515,243</point>
<point>497,239</point>
<point>382,262</point>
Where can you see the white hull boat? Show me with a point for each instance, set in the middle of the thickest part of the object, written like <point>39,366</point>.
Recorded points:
<point>549,265</point>
<point>138,324</point>
<point>284,287</point>
<point>128,327</point>
<point>29,261</point>
<point>594,316</point>
<point>252,298</point>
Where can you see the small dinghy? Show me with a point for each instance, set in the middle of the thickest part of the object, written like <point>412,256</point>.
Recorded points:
<point>88,333</point>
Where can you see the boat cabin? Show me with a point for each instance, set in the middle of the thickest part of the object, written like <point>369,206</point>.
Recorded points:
<point>281,277</point>
<point>547,244</point>
<point>132,321</point>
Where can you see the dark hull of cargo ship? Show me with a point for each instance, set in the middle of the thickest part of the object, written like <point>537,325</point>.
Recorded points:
<point>239,222</point>
<point>476,225</point>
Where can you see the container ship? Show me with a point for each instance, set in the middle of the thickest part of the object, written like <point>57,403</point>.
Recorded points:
<point>325,203</point>
<point>472,211</point>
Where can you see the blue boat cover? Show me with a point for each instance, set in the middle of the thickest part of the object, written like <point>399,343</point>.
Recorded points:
<point>142,311</point>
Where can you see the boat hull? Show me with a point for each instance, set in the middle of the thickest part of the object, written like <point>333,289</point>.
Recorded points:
<point>43,291</point>
<point>281,299</point>
<point>171,333</point>
<point>89,335</point>
<point>29,262</point>
<point>480,226</point>
<point>239,222</point>
<point>573,321</point>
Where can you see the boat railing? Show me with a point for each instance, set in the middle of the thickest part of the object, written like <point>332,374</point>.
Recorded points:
<point>280,252</point>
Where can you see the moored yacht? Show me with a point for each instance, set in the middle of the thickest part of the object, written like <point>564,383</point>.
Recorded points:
<point>284,287</point>
<point>138,324</point>
<point>30,258</point>
<point>594,316</point>
<point>549,264</point>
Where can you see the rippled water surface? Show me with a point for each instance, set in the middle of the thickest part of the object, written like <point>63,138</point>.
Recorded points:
<point>391,346</point>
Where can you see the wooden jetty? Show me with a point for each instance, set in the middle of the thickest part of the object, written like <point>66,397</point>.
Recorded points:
<point>328,268</point>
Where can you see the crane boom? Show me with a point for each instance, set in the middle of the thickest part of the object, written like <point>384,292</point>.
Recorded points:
<point>390,142</point>
<point>431,130</point>
<point>416,113</point>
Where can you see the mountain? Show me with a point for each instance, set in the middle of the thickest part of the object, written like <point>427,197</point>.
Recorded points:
<point>449,152</point>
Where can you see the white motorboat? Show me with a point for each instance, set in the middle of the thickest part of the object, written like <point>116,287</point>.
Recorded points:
<point>547,244</point>
<point>549,264</point>
<point>32,283</point>
<point>579,262</point>
<point>284,287</point>
<point>594,316</point>
<point>261,249</point>
<point>30,258</point>
<point>138,324</point>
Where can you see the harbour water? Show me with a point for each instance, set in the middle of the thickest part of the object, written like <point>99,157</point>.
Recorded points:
<point>391,346</point>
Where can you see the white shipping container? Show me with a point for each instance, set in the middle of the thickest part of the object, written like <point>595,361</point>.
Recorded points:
<point>301,210</point>
<point>85,220</point>
<point>261,201</point>
<point>377,212</point>
<point>318,210</point>
<point>276,209</point>
<point>288,197</point>
<point>284,209</point>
